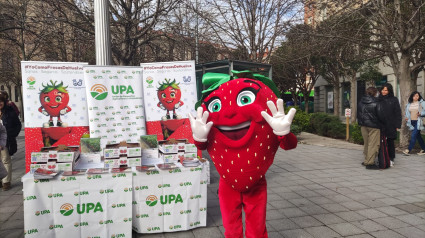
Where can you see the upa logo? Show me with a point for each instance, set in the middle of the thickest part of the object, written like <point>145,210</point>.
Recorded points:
<point>118,235</point>
<point>98,91</point>
<point>31,231</point>
<point>151,200</point>
<point>31,80</point>
<point>121,89</point>
<point>66,209</point>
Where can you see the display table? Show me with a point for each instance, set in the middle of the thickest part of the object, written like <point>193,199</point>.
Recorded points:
<point>110,204</point>
<point>96,205</point>
<point>168,201</point>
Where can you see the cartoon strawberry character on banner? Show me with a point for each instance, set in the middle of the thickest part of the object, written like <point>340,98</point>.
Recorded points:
<point>241,127</point>
<point>169,95</point>
<point>54,101</point>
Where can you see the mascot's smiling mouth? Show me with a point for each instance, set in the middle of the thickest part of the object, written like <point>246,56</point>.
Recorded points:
<point>235,132</point>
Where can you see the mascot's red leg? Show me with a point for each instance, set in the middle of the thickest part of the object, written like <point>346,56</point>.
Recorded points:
<point>231,210</point>
<point>255,206</point>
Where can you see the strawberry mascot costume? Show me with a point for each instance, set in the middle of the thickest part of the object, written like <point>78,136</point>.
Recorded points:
<point>241,127</point>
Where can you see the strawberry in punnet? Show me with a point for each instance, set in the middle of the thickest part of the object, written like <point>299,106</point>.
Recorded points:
<point>241,127</point>
<point>54,101</point>
<point>169,95</point>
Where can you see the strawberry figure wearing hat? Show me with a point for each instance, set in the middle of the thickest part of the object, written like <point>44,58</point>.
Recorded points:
<point>169,95</point>
<point>241,127</point>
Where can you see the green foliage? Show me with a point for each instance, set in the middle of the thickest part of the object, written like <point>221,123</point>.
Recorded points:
<point>356,134</point>
<point>90,145</point>
<point>327,125</point>
<point>301,120</point>
<point>149,141</point>
<point>295,129</point>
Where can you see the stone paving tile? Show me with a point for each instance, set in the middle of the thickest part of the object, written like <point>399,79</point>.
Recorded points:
<point>391,201</point>
<point>386,234</point>
<point>353,205</point>
<point>306,221</point>
<point>180,234</point>
<point>274,214</point>
<point>411,232</point>
<point>283,224</point>
<point>9,209</point>
<point>371,213</point>
<point>360,236</point>
<point>391,211</point>
<point>307,193</point>
<point>274,234</point>
<point>313,209</point>
<point>421,227</point>
<point>409,199</point>
<point>289,195</point>
<point>420,204</point>
<point>281,204</point>
<point>335,208</point>
<point>420,214</point>
<point>211,232</point>
<point>321,232</point>
<point>297,233</point>
<point>15,233</point>
<point>346,229</point>
<point>369,225</point>
<point>391,222</point>
<point>411,219</point>
<point>350,216</point>
<point>338,198</point>
<point>320,200</point>
<point>329,218</point>
<point>410,208</point>
<point>300,202</point>
<point>292,212</point>
<point>12,224</point>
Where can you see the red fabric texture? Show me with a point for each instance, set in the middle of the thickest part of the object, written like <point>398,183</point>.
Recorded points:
<point>254,204</point>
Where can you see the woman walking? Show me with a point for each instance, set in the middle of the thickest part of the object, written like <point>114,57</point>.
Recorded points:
<point>392,114</point>
<point>11,121</point>
<point>370,119</point>
<point>415,108</point>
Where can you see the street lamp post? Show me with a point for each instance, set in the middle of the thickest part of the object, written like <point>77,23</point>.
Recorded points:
<point>102,33</point>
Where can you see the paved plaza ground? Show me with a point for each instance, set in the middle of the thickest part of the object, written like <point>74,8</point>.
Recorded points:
<point>318,189</point>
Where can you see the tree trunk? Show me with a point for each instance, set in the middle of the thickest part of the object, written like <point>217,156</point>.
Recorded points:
<point>336,98</point>
<point>353,97</point>
<point>406,87</point>
<point>306,102</point>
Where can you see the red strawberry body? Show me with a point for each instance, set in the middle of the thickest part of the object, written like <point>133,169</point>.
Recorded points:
<point>241,143</point>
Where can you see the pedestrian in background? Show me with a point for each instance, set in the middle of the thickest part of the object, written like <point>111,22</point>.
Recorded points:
<point>10,103</point>
<point>369,117</point>
<point>415,110</point>
<point>13,126</point>
<point>392,114</point>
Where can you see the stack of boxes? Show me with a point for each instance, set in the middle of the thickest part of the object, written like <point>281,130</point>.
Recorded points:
<point>172,151</point>
<point>122,155</point>
<point>59,158</point>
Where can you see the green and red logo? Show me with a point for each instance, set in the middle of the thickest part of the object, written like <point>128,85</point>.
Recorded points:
<point>66,209</point>
<point>31,80</point>
<point>151,200</point>
<point>99,91</point>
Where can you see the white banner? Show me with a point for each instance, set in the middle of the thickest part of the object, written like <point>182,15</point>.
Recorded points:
<point>96,205</point>
<point>115,103</point>
<point>169,89</point>
<point>53,91</point>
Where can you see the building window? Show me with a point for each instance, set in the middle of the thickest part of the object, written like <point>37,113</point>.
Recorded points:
<point>16,94</point>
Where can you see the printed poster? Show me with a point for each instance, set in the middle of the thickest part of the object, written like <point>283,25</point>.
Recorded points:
<point>170,95</point>
<point>115,103</point>
<point>54,98</point>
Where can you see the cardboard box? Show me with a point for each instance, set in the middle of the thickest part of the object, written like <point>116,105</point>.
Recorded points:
<point>171,146</point>
<point>123,148</point>
<point>190,148</point>
<point>116,163</point>
<point>134,161</point>
<point>90,158</point>
<point>34,167</point>
<point>59,153</point>
<point>171,158</point>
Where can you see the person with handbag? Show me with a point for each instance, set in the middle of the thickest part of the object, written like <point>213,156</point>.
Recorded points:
<point>13,126</point>
<point>415,108</point>
<point>392,114</point>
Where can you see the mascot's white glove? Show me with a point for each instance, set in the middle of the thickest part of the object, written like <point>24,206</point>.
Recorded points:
<point>161,106</point>
<point>199,125</point>
<point>280,123</point>
<point>45,113</point>
<point>177,105</point>
<point>63,111</point>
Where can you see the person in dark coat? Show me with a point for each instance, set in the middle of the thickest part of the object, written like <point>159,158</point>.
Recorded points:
<point>10,120</point>
<point>369,117</point>
<point>392,113</point>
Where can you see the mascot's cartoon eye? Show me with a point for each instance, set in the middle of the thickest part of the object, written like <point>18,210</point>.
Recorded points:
<point>46,99</point>
<point>245,97</point>
<point>173,95</point>
<point>214,106</point>
<point>163,95</point>
<point>58,99</point>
